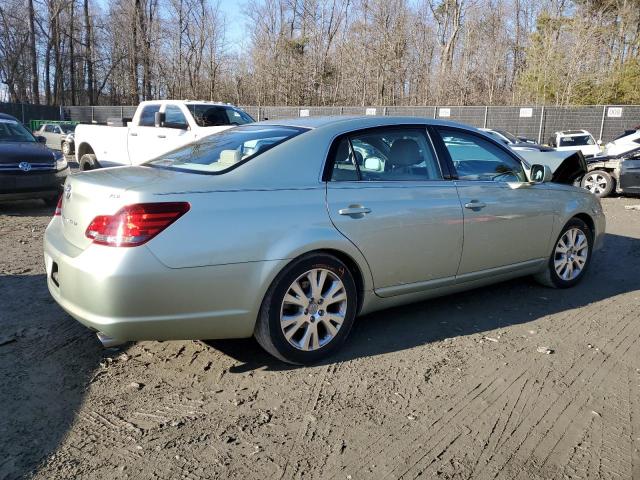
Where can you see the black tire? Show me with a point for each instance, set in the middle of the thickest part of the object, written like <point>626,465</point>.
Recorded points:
<point>268,331</point>
<point>88,161</point>
<point>549,277</point>
<point>51,201</point>
<point>598,182</point>
<point>66,148</point>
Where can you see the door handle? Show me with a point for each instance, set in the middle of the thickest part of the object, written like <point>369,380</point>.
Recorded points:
<point>133,134</point>
<point>354,210</point>
<point>162,136</point>
<point>473,204</point>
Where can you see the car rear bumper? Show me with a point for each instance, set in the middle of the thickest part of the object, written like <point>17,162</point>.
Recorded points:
<point>32,185</point>
<point>129,295</point>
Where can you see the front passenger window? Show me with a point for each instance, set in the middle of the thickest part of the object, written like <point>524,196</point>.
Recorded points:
<point>174,118</point>
<point>478,159</point>
<point>148,116</point>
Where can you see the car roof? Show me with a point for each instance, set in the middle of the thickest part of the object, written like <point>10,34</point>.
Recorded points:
<point>357,122</point>
<point>189,102</point>
<point>5,116</point>
<point>573,132</point>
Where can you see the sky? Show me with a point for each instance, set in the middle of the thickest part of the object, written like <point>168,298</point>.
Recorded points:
<point>236,23</point>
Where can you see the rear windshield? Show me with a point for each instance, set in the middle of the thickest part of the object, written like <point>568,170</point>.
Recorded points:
<point>223,151</point>
<point>577,140</point>
<point>215,115</point>
<point>12,131</point>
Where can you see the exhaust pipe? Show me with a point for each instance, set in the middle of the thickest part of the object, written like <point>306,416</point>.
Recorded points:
<point>109,342</point>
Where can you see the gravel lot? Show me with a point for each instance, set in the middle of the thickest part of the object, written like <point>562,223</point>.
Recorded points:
<point>450,388</point>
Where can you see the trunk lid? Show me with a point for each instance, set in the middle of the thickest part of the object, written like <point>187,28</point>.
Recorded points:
<point>99,192</point>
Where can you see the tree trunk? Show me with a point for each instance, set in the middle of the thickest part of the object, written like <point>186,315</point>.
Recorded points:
<point>88,57</point>
<point>35,90</point>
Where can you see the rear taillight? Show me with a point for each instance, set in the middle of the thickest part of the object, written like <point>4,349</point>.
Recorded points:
<point>58,211</point>
<point>136,224</point>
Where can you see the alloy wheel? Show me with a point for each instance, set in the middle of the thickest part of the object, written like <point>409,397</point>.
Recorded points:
<point>595,183</point>
<point>571,253</point>
<point>313,309</point>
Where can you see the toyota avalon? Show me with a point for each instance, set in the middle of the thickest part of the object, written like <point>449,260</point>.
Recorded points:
<point>288,230</point>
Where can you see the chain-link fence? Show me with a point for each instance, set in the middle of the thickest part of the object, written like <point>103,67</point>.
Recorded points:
<point>26,112</point>
<point>605,122</point>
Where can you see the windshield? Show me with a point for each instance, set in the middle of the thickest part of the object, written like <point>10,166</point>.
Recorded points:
<point>496,136</point>
<point>577,140</point>
<point>509,136</point>
<point>222,151</point>
<point>12,131</point>
<point>215,115</point>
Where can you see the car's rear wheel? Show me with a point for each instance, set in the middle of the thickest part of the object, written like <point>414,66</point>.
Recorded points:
<point>309,309</point>
<point>88,162</point>
<point>570,257</point>
<point>598,182</point>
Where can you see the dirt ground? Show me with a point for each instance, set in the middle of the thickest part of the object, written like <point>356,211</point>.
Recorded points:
<point>450,388</point>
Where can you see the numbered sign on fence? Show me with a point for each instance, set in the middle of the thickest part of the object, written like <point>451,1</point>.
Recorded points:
<point>304,112</point>
<point>526,112</point>
<point>370,111</point>
<point>444,112</point>
<point>614,112</point>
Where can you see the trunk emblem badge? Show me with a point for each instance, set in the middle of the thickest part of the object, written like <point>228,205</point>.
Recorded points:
<point>67,192</point>
<point>24,166</point>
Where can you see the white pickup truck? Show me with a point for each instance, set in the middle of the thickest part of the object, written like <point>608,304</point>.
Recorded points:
<point>156,128</point>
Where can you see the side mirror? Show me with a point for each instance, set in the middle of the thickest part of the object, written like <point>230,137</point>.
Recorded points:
<point>158,119</point>
<point>599,142</point>
<point>540,173</point>
<point>373,163</point>
<point>41,139</point>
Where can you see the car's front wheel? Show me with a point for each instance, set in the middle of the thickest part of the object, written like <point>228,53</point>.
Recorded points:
<point>598,182</point>
<point>570,257</point>
<point>309,309</point>
<point>66,148</point>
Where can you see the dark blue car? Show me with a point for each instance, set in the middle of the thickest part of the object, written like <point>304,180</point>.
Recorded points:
<point>28,169</point>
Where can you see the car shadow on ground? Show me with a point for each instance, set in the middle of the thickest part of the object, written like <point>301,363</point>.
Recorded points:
<point>613,271</point>
<point>30,208</point>
<point>45,370</point>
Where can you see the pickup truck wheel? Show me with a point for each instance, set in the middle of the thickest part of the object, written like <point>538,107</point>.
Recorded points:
<point>598,182</point>
<point>66,148</point>
<point>88,162</point>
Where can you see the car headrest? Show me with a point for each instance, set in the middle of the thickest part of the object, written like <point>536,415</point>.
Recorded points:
<point>404,153</point>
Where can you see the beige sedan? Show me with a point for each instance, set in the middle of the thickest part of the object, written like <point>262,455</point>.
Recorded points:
<point>287,230</point>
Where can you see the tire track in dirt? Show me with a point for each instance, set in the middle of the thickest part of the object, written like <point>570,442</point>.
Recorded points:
<point>459,421</point>
<point>308,418</point>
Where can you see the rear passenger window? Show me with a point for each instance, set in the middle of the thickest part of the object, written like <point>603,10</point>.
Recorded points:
<point>385,154</point>
<point>344,166</point>
<point>148,115</point>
